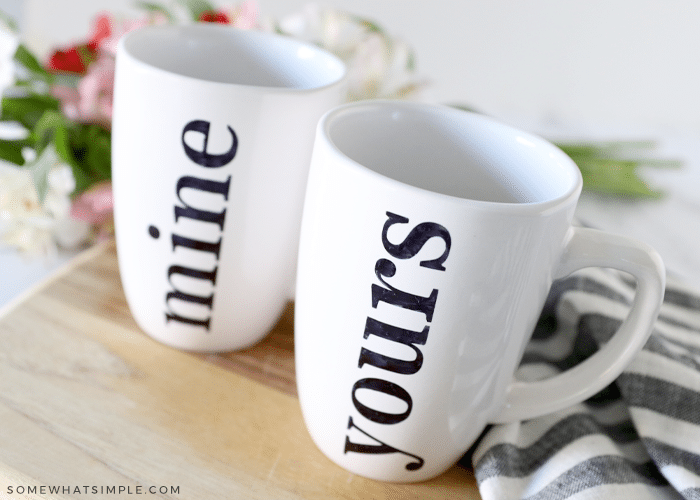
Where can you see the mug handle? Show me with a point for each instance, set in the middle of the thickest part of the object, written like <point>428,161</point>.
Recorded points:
<point>593,248</point>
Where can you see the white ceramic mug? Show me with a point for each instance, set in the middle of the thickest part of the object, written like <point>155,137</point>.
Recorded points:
<point>430,239</point>
<point>211,138</point>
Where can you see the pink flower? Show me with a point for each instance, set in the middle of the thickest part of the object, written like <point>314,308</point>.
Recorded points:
<point>109,43</point>
<point>95,205</point>
<point>69,98</point>
<point>101,30</point>
<point>245,15</point>
<point>91,101</point>
<point>96,90</point>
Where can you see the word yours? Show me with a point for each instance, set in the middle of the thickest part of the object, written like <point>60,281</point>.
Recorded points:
<point>385,268</point>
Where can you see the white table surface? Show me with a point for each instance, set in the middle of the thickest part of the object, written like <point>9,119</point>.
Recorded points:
<point>671,224</point>
<point>19,274</point>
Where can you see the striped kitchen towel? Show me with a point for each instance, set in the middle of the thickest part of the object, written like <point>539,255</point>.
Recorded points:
<point>637,439</point>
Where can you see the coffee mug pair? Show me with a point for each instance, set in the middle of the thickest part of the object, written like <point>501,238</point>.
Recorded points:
<point>429,240</point>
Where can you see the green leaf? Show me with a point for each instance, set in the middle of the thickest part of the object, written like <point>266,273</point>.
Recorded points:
<point>87,55</point>
<point>85,147</point>
<point>40,169</point>
<point>28,110</point>
<point>53,131</point>
<point>464,107</point>
<point>154,8</point>
<point>411,61</point>
<point>615,177</point>
<point>46,127</point>
<point>9,21</point>
<point>91,149</point>
<point>27,59</point>
<point>100,153</point>
<point>35,78</point>
<point>196,7</point>
<point>62,143</point>
<point>613,167</point>
<point>12,150</point>
<point>369,25</point>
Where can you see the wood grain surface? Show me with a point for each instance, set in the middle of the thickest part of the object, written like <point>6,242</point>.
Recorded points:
<point>91,407</point>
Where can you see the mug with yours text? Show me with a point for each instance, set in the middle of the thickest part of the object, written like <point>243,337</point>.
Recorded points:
<point>430,239</point>
<point>212,135</point>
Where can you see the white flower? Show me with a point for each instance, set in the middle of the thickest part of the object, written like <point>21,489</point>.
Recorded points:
<point>9,41</point>
<point>61,185</point>
<point>378,65</point>
<point>70,233</point>
<point>17,193</point>
<point>34,226</point>
<point>25,225</point>
<point>334,30</point>
<point>368,67</point>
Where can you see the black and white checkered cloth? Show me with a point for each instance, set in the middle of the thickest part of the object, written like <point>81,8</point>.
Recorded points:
<point>637,439</point>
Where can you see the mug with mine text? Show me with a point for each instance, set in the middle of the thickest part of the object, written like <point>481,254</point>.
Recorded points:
<point>211,140</point>
<point>430,239</point>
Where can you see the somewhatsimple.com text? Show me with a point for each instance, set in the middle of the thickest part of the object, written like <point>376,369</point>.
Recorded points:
<point>93,490</point>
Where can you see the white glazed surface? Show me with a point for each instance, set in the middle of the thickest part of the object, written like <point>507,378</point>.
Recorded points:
<point>273,118</point>
<point>502,259</point>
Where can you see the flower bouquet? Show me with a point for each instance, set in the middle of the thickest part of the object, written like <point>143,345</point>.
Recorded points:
<point>55,188</point>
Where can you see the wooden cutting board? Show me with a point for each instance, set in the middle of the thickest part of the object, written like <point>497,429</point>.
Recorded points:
<point>91,407</point>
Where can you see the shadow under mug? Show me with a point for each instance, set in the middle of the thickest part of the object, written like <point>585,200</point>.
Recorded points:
<point>430,239</point>
<point>211,140</point>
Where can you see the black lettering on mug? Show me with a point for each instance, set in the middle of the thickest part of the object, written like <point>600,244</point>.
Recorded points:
<point>388,388</point>
<point>204,214</point>
<point>380,448</point>
<point>214,187</point>
<point>394,334</point>
<point>187,297</point>
<point>394,296</point>
<point>415,241</point>
<point>203,246</point>
<point>202,157</point>
<point>384,268</point>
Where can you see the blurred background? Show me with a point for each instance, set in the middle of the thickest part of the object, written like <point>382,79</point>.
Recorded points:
<point>595,70</point>
<point>612,62</point>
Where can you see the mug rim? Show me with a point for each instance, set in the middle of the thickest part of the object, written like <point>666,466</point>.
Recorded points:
<point>569,195</point>
<point>124,51</point>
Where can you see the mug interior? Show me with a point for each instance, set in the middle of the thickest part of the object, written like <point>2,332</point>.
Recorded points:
<point>452,152</point>
<point>229,55</point>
